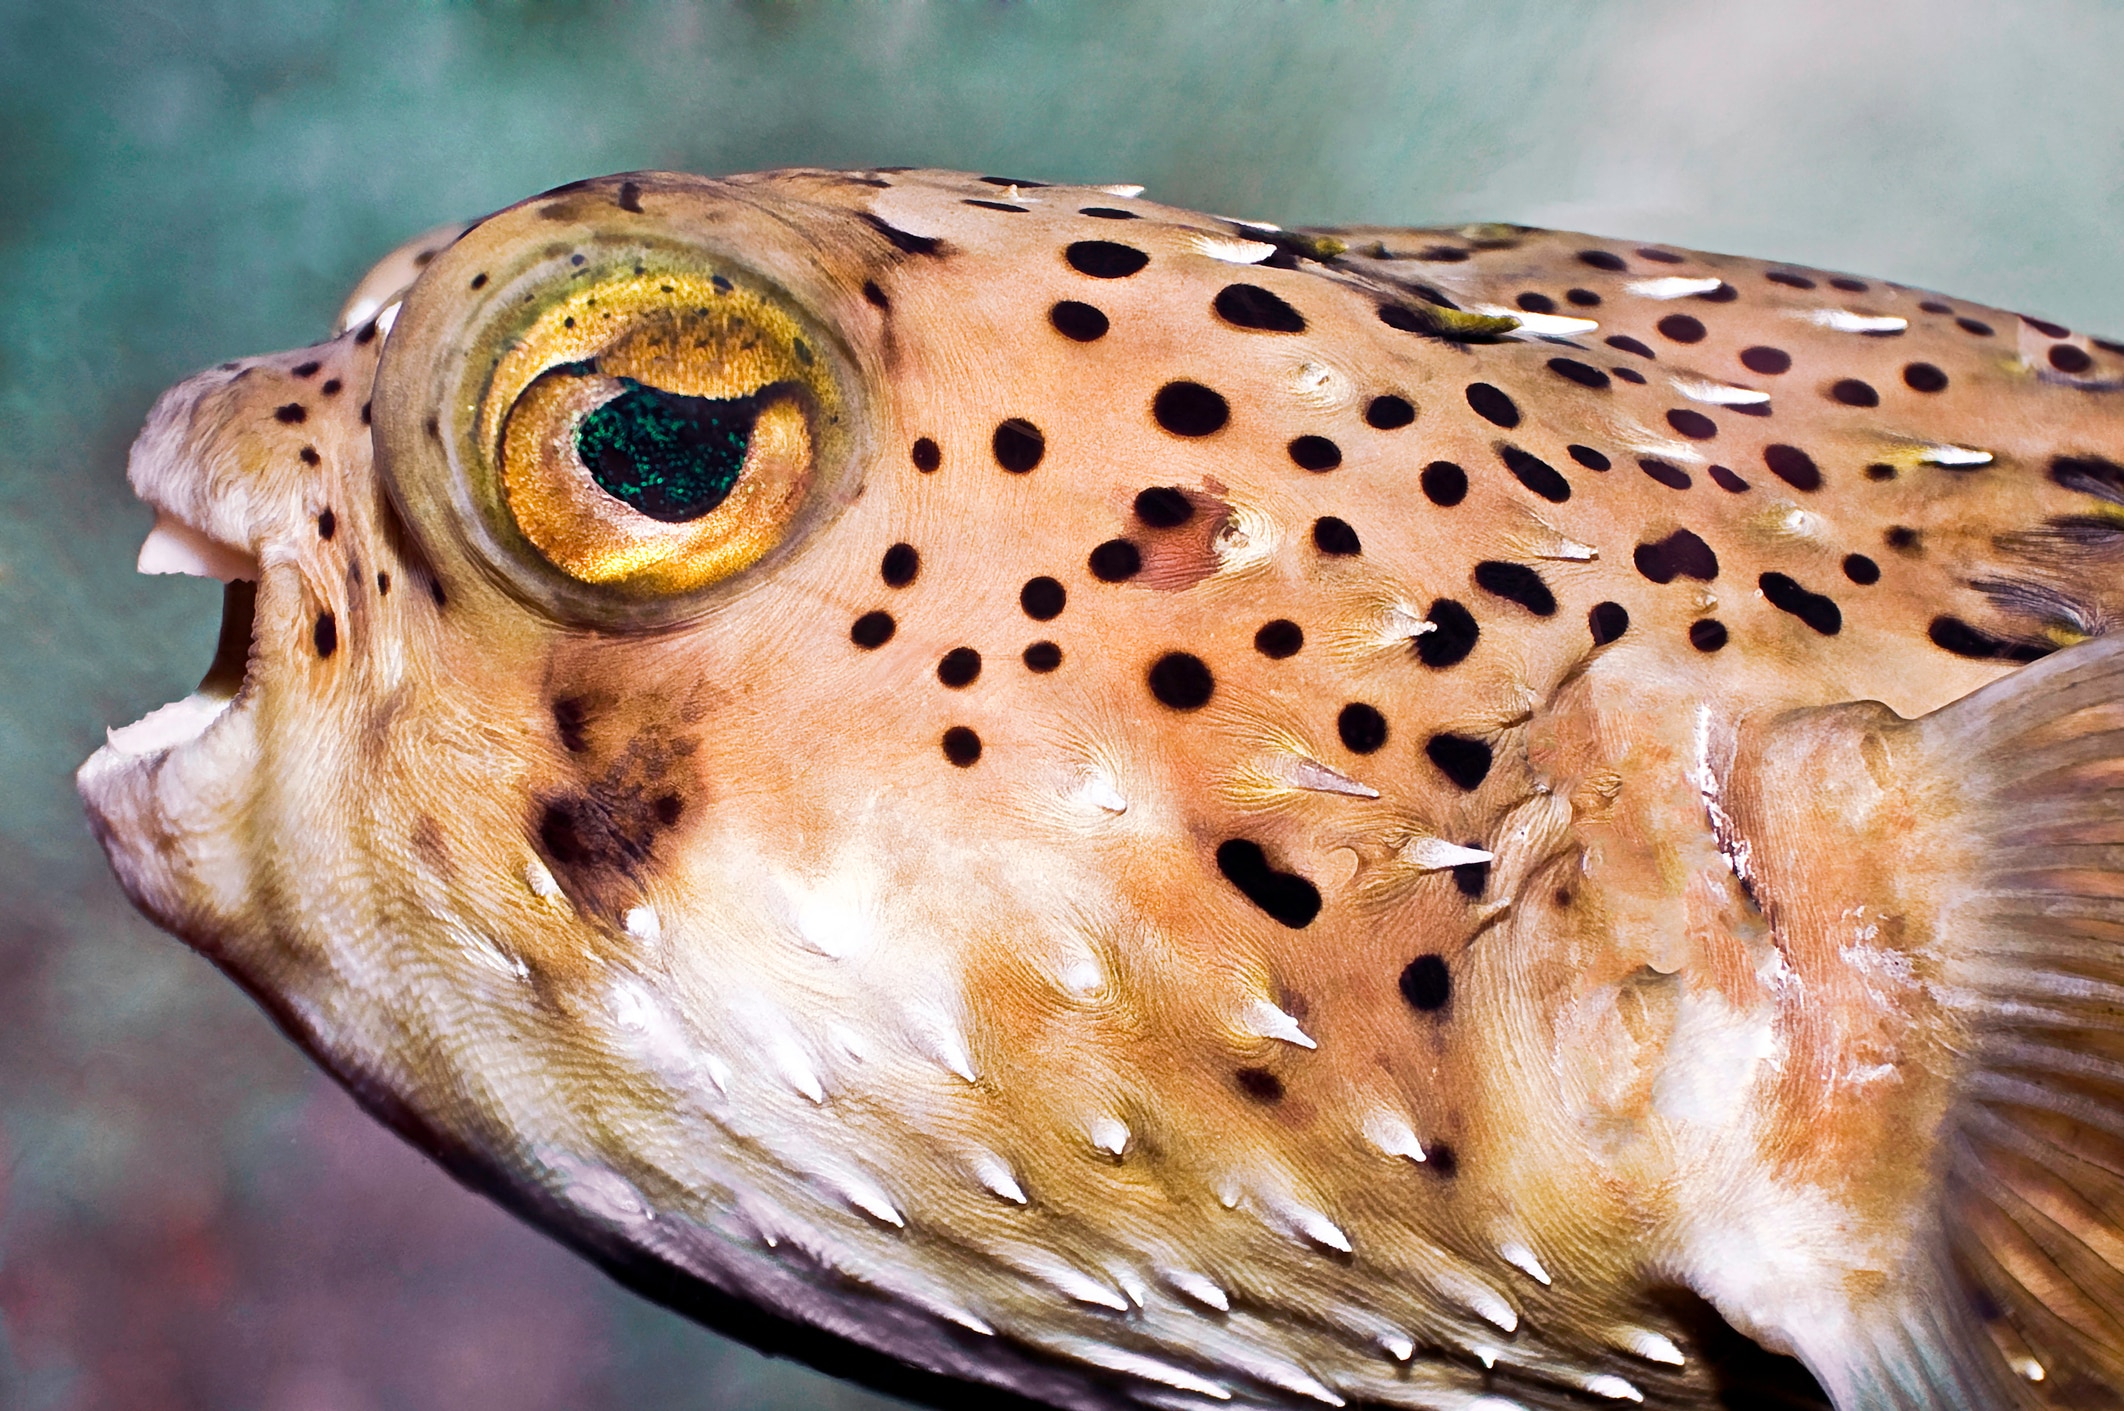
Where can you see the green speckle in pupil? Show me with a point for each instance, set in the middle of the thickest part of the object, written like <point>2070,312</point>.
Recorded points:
<point>671,457</point>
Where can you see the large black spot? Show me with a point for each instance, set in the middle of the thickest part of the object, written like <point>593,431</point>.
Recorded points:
<point>1463,760</point>
<point>1692,424</point>
<point>1535,303</point>
<point>1444,483</point>
<point>960,667</point>
<point>1042,657</point>
<point>1666,473</point>
<point>1679,555</point>
<point>925,455</point>
<point>1818,612</point>
<point>1105,259</point>
<point>1588,457</point>
<point>1426,983</point>
<point>1924,377</point>
<point>1607,621</point>
<point>1164,507</point>
<point>1707,634</point>
<point>872,630</point>
<point>1260,1084</point>
<point>1492,405</point>
<point>900,565</point>
<point>1601,259</point>
<point>1115,561</point>
<point>325,635</point>
<point>1790,281</point>
<point>664,454</point>
<point>905,241</point>
<point>1251,306</point>
<point>1042,598</point>
<point>962,746</point>
<point>1976,327</point>
<point>1279,639</point>
<point>1452,636</point>
<point>1959,637</point>
<point>1285,896</point>
<point>1362,728</point>
<point>1190,409</point>
<point>1472,878</point>
<point>1682,328</point>
<point>1018,445</point>
<point>1793,466</point>
<point>1386,413</point>
<point>1861,570</point>
<point>1536,474</point>
<point>1625,343</point>
<point>1854,393</point>
<point>1314,453</point>
<point>1334,536</point>
<point>1584,374</point>
<point>1767,361</point>
<point>1181,680</point>
<point>1517,582</point>
<point>1078,321</point>
<point>1726,480</point>
<point>1107,213</point>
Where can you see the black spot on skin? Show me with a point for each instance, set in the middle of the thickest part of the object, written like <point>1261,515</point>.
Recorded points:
<point>1957,636</point>
<point>1786,595</point>
<point>308,369</point>
<point>1043,598</point>
<point>1934,306</point>
<point>1107,213</point>
<point>1164,507</point>
<point>906,242</point>
<point>1584,374</point>
<point>1768,361</point>
<point>1190,409</point>
<point>1692,424</point>
<point>1903,539</point>
<point>900,565</point>
<point>1492,405</point>
<point>995,206</point>
<point>1723,294</point>
<point>1042,657</point>
<point>435,591</point>
<point>1707,634</point>
<point>1426,983</point>
<point>1314,453</point>
<point>1854,393</point>
<point>925,455</point>
<point>1104,259</point>
<point>1018,445</point>
<point>2067,358</point>
<point>1472,878</point>
<point>1444,1162</point>
<point>1444,483</point>
<point>962,746</point>
<point>630,197</point>
<point>326,634</point>
<point>1975,326</point>
<point>1452,636</point>
<point>1443,255</point>
<point>875,295</point>
<point>1679,555</point>
<point>1681,328</point>
<point>872,630</point>
<point>2090,475</point>
<point>365,413</point>
<point>1181,680</point>
<point>1389,412</point>
<point>1536,303</point>
<point>1536,474</point>
<point>1793,466</point>
<point>1629,374</point>
<point>1115,561</point>
<point>366,335</point>
<point>330,387</point>
<point>1623,342</point>
<point>571,721</point>
<point>1665,257</point>
<point>383,585</point>
<point>1260,1085</point>
<point>1924,377</point>
<point>1790,281</point>
<point>2046,327</point>
<point>1848,284</point>
<point>960,667</point>
<point>327,524</point>
<point>1517,582</point>
<point>1601,259</point>
<point>1665,472</point>
<point>479,281</point>
<point>1334,536</point>
<point>1279,639</point>
<point>669,808</point>
<point>1251,306</point>
<point>292,414</point>
<point>1861,570</point>
<point>1362,728</point>
<point>1287,897</point>
<point>1726,480</point>
<point>1588,457</point>
<point>1582,298</point>
<point>1879,470</point>
<point>1607,621</point>
<point>1463,760</point>
<point>1017,181</point>
<point>1078,322</point>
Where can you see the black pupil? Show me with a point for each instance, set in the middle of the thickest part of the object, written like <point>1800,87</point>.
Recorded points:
<point>670,456</point>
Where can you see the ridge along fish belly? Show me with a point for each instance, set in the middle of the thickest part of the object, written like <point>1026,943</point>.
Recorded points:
<point>1133,808</point>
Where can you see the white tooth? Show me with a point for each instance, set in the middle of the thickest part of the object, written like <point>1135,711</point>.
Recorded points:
<point>1265,1020</point>
<point>1436,854</point>
<point>173,546</point>
<point>1677,286</point>
<point>1121,188</point>
<point>1236,252</point>
<point>388,317</point>
<point>1845,321</point>
<point>1720,394</point>
<point>1954,455</point>
<point>1539,325</point>
<point>174,724</point>
<point>1303,773</point>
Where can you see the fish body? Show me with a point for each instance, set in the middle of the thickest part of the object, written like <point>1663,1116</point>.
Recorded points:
<point>1145,809</point>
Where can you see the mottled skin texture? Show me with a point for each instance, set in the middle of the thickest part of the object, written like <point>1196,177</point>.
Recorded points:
<point>690,939</point>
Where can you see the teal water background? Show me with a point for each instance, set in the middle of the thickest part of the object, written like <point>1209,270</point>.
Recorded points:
<point>189,1218</point>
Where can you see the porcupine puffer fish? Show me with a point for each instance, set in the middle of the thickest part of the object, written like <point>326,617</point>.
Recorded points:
<point>1149,810</point>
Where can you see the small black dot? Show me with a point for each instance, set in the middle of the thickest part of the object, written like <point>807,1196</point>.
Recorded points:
<point>1786,595</point>
<point>900,565</point>
<point>2067,358</point>
<point>1251,306</point>
<point>1723,294</point>
<point>961,746</point>
<point>1334,536</point>
<point>1043,657</point>
<point>1018,445</point>
<point>331,387</point>
<point>1583,298</point>
<point>308,455</point>
<point>1629,374</point>
<point>1363,729</point>
<point>1848,284</point>
<point>327,524</point>
<point>1107,213</point>
<point>875,295</point>
<point>1115,561</point>
<point>925,455</point>
<point>872,630</point>
<point>292,414</point>
<point>383,585</point>
<point>1443,1162</point>
<point>1692,424</point>
<point>1260,1084</point>
<point>1924,377</point>
<point>1767,361</point>
<point>1444,483</point>
<point>1517,583</point>
<point>1315,453</point>
<point>1492,405</point>
<point>1934,306</point>
<point>1707,634</point>
<point>1588,457</point>
<point>1970,325</point>
<point>1442,255</point>
<point>1536,303</point>
<point>1902,538</point>
<point>1682,328</point>
<point>1536,474</point>
<point>1623,342</point>
<point>1279,639</point>
<point>994,205</point>
<point>365,412</point>
<point>1793,466</point>
<point>1860,569</point>
<point>1452,636</point>
<point>1043,598</point>
<point>1726,480</point>
<point>1164,507</point>
<point>326,634</point>
<point>479,281</point>
<point>669,809</point>
<point>1601,259</point>
<point>1463,760</point>
<point>1079,322</point>
<point>1190,409</point>
<point>1790,281</point>
<point>1181,680</point>
<point>1584,374</point>
<point>1879,470</point>
<point>1854,393</point>
<point>1665,472</point>
<point>1104,259</point>
<point>367,334</point>
<point>1426,983</point>
<point>1388,412</point>
<point>960,667</point>
<point>1665,257</point>
<point>1607,621</point>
